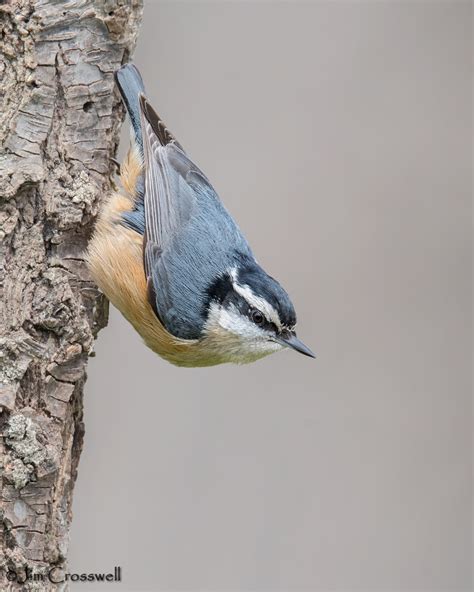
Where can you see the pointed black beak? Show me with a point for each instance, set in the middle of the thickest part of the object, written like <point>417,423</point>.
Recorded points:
<point>289,339</point>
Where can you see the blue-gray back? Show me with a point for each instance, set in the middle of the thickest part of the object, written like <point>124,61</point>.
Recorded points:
<point>191,239</point>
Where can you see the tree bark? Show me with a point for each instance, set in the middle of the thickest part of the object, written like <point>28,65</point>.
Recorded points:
<point>59,129</point>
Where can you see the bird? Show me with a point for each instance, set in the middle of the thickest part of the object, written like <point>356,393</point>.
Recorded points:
<point>167,253</point>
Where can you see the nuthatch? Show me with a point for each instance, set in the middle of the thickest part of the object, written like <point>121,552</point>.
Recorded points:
<point>171,258</point>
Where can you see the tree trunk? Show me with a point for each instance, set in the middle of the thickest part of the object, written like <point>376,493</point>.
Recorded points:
<point>59,129</point>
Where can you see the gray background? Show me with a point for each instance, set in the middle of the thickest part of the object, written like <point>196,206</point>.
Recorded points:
<point>339,135</point>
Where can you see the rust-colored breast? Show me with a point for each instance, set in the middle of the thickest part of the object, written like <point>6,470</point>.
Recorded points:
<point>115,259</point>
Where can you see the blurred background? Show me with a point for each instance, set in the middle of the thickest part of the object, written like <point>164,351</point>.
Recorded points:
<point>339,134</point>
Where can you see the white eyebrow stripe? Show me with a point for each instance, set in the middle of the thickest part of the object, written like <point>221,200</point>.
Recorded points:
<point>256,301</point>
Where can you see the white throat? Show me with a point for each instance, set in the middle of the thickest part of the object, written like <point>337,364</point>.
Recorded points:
<point>236,337</point>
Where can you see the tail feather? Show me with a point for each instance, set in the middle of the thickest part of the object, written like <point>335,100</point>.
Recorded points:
<point>130,84</point>
<point>131,87</point>
<point>158,125</point>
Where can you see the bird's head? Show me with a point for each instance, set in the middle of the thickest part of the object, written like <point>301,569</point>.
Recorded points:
<point>249,316</point>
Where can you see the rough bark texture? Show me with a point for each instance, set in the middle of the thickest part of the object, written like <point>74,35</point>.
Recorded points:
<point>59,124</point>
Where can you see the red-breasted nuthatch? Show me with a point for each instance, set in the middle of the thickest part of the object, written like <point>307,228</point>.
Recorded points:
<point>170,257</point>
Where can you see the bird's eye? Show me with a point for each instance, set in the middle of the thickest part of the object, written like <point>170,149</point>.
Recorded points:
<point>257,317</point>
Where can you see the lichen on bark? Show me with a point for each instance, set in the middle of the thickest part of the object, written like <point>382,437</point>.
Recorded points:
<point>59,125</point>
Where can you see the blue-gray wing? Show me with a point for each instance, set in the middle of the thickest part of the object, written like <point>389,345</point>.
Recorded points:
<point>190,238</point>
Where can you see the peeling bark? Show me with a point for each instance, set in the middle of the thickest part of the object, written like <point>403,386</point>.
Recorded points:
<point>59,127</point>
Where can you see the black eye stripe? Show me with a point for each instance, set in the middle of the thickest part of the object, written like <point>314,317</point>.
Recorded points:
<point>265,323</point>
<point>222,292</point>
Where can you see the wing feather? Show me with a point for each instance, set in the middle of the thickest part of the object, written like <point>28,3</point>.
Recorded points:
<point>190,239</point>
<point>169,200</point>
